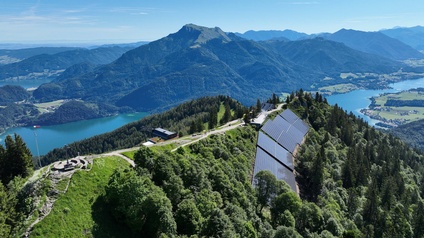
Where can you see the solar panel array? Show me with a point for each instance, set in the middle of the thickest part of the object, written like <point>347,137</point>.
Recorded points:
<point>265,162</point>
<point>277,151</point>
<point>293,119</point>
<point>284,133</point>
<point>274,150</point>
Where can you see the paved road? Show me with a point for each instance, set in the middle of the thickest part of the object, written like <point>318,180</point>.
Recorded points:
<point>184,141</point>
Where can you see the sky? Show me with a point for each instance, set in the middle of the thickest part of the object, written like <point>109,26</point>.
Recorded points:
<point>124,21</point>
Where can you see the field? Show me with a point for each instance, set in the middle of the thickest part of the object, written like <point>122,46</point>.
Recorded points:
<point>401,114</point>
<point>81,212</point>
<point>338,88</point>
<point>49,106</point>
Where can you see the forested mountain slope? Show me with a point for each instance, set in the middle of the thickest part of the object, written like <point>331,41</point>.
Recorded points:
<point>375,43</point>
<point>413,36</point>
<point>49,65</point>
<point>412,133</point>
<point>364,180</point>
<point>198,61</point>
<point>354,180</point>
<point>179,119</point>
<point>8,56</point>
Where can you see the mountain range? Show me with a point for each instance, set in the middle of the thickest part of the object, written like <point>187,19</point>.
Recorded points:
<point>413,36</point>
<point>198,61</point>
<point>375,43</point>
<point>54,60</point>
<point>272,35</point>
<point>397,43</point>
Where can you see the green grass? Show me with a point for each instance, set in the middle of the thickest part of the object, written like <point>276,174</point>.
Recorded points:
<point>404,114</point>
<point>164,147</point>
<point>129,154</point>
<point>338,88</point>
<point>44,106</point>
<point>82,212</point>
<point>221,111</point>
<point>61,186</point>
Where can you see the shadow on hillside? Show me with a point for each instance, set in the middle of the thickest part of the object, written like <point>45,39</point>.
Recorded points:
<point>105,224</point>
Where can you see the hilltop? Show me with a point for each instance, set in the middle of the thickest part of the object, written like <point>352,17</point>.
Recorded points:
<point>350,177</point>
<point>198,61</point>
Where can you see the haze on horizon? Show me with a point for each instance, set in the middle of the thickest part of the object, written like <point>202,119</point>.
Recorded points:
<point>50,21</point>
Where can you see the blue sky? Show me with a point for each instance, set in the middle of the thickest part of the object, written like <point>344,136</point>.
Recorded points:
<point>113,21</point>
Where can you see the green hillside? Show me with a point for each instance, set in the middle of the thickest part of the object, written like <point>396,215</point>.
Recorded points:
<point>51,65</point>
<point>81,212</point>
<point>354,181</point>
<point>178,119</point>
<point>412,133</point>
<point>199,61</point>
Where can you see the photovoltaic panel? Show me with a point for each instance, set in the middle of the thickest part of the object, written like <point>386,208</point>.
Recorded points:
<point>277,129</point>
<point>289,136</point>
<point>301,126</point>
<point>273,129</point>
<point>265,162</point>
<point>293,119</point>
<point>275,150</point>
<point>289,116</point>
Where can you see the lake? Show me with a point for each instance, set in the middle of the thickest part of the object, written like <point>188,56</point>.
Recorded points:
<point>50,137</point>
<point>356,100</point>
<point>25,83</point>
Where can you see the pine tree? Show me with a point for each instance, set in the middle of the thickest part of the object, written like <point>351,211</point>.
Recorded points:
<point>213,119</point>
<point>258,107</point>
<point>16,159</point>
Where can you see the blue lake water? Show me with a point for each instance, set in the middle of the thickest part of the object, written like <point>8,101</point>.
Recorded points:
<point>25,83</point>
<point>356,100</point>
<point>50,137</point>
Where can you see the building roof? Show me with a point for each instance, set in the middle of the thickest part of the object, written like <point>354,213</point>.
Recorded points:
<point>166,132</point>
<point>267,106</point>
<point>259,120</point>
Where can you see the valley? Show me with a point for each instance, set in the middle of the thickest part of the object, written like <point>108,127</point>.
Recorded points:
<point>200,176</point>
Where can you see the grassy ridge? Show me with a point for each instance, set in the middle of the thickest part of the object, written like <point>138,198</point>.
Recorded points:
<point>80,212</point>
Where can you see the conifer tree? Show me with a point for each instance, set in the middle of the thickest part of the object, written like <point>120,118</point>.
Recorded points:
<point>213,119</point>
<point>16,159</point>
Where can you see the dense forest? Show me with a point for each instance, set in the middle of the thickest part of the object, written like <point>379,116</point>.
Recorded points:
<point>412,133</point>
<point>192,116</point>
<point>12,93</point>
<point>354,180</point>
<point>15,167</point>
<point>366,182</point>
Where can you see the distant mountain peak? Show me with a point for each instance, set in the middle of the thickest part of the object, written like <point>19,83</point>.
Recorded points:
<point>203,34</point>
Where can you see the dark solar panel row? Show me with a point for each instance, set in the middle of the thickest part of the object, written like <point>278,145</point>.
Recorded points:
<point>265,162</point>
<point>301,126</point>
<point>289,116</point>
<point>290,130</point>
<point>293,119</point>
<point>284,133</point>
<point>272,129</point>
<point>275,150</point>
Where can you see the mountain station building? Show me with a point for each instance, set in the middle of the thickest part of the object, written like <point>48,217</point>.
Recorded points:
<point>164,134</point>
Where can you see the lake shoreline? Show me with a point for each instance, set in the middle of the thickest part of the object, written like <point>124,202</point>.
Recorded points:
<point>360,99</point>
<point>56,136</point>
